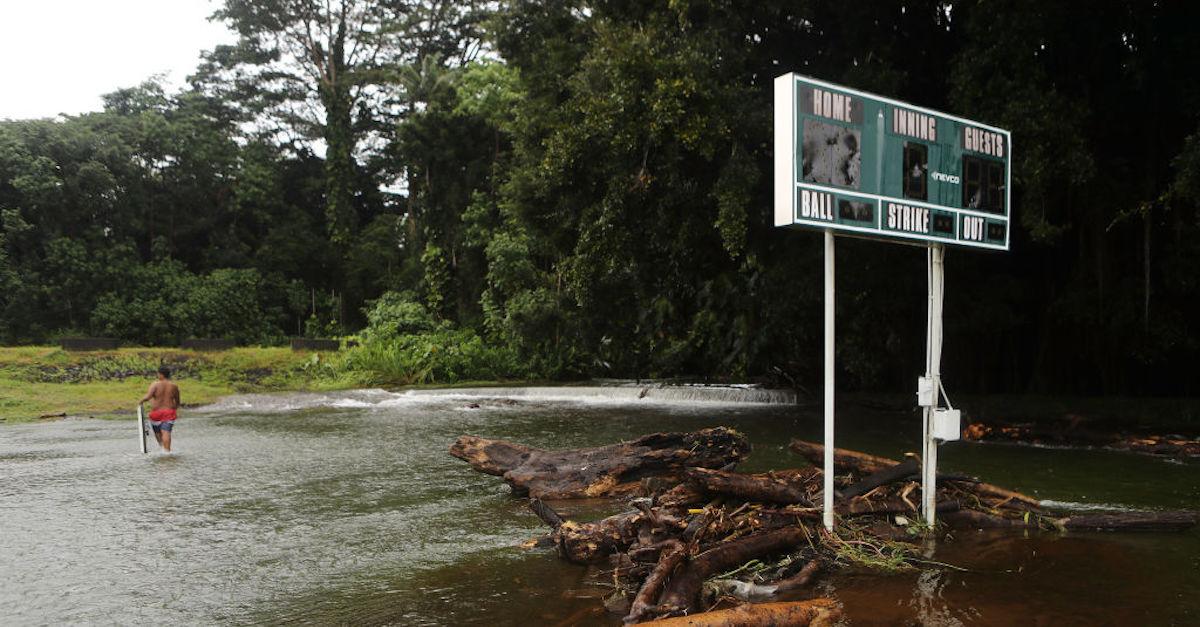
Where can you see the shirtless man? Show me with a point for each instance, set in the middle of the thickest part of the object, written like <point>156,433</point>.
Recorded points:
<point>164,400</point>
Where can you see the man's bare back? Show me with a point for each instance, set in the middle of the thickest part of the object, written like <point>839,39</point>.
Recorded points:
<point>163,394</point>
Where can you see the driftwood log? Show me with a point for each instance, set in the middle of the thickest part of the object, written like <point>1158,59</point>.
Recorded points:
<point>1120,521</point>
<point>784,487</point>
<point>844,460</point>
<point>1074,430</point>
<point>600,471</point>
<point>1132,521</point>
<point>814,612</point>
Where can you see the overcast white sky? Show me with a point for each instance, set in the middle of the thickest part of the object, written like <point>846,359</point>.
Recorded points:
<point>59,56</point>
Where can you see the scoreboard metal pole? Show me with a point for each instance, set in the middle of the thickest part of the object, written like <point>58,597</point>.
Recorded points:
<point>933,375</point>
<point>827,491</point>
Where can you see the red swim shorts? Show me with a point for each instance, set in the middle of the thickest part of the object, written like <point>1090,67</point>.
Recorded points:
<point>163,415</point>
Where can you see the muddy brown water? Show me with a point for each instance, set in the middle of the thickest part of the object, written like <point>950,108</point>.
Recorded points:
<point>345,508</point>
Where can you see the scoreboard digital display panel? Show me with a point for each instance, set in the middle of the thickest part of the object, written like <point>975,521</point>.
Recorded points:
<point>872,166</point>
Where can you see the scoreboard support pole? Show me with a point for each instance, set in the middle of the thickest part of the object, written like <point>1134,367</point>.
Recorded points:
<point>933,379</point>
<point>827,491</point>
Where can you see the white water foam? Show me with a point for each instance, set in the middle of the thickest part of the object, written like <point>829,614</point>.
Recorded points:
<point>624,394</point>
<point>613,394</point>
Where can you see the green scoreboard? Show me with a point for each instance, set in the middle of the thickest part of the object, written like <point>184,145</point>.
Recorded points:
<point>871,166</point>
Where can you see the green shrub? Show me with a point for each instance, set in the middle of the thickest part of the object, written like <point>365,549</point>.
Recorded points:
<point>226,303</point>
<point>395,314</point>
<point>444,356</point>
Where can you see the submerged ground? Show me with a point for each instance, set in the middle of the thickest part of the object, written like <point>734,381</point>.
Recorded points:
<point>346,508</point>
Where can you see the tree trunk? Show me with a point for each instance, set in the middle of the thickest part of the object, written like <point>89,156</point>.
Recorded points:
<point>339,162</point>
<point>493,457</point>
<point>785,488</point>
<point>600,471</point>
<point>1132,521</point>
<point>971,519</point>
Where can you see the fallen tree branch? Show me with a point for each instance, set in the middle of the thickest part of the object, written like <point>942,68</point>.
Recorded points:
<point>684,589</point>
<point>814,612</point>
<point>545,513</point>
<point>857,507</point>
<point>1027,503</point>
<point>972,519</point>
<point>872,464</point>
<point>883,476</point>
<point>673,552</point>
<point>843,459</point>
<point>748,591</point>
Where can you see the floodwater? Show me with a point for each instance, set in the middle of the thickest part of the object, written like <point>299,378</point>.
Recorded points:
<point>346,508</point>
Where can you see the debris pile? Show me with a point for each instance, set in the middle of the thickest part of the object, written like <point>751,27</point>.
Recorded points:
<point>698,536</point>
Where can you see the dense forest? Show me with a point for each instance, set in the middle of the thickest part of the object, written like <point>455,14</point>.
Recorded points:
<point>583,187</point>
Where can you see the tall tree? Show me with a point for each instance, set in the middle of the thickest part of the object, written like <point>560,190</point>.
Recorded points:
<point>639,175</point>
<point>311,71</point>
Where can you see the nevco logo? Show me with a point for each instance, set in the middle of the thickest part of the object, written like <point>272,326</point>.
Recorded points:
<point>945,178</point>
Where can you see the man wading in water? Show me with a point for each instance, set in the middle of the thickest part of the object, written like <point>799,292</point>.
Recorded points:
<point>164,400</point>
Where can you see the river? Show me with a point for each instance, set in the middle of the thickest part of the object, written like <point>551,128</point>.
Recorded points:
<point>346,508</point>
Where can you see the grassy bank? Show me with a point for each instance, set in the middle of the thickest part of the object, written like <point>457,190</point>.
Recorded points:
<point>38,381</point>
<point>46,381</point>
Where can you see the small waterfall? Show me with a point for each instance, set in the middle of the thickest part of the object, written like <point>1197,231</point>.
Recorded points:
<point>630,392</point>
<point>618,392</point>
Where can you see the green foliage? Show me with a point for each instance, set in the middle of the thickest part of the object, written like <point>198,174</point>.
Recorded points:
<point>445,356</point>
<point>489,90</point>
<point>163,303</point>
<point>437,278</point>
<point>394,314</point>
<point>403,345</point>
